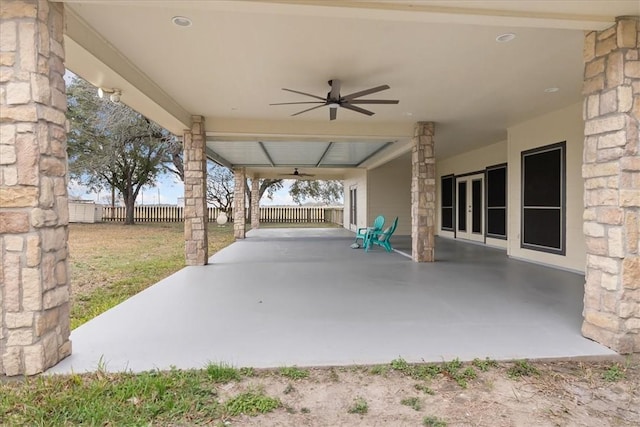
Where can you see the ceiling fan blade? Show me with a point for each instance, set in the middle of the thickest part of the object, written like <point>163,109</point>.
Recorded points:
<point>367,92</point>
<point>374,101</point>
<point>303,93</point>
<point>358,109</point>
<point>333,113</point>
<point>308,109</point>
<point>335,89</point>
<point>303,102</point>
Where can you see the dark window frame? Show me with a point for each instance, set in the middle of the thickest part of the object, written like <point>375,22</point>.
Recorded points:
<point>506,201</point>
<point>453,202</point>
<point>353,206</point>
<point>562,147</point>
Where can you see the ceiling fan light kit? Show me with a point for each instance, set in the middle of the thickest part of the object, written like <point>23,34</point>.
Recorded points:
<point>297,173</point>
<point>334,100</point>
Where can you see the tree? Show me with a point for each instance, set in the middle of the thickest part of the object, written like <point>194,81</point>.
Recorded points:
<point>220,189</point>
<point>325,191</point>
<point>220,185</point>
<point>112,146</point>
<point>176,163</point>
<point>269,186</point>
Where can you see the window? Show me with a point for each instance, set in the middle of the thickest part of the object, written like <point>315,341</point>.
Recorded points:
<point>543,199</point>
<point>497,201</point>
<point>446,213</point>
<point>353,210</point>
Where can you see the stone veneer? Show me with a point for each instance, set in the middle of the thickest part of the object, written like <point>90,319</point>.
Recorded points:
<point>195,190</point>
<point>34,215</point>
<point>239,181</point>
<point>255,203</point>
<point>423,193</point>
<point>611,169</point>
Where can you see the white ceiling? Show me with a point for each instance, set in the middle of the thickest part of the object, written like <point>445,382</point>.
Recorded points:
<point>439,57</point>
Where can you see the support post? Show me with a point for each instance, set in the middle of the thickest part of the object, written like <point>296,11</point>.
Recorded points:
<point>611,170</point>
<point>239,179</point>
<point>34,209</point>
<point>255,203</point>
<point>196,247</point>
<point>423,193</point>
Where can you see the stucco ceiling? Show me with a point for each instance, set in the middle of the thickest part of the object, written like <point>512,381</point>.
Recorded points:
<point>440,58</point>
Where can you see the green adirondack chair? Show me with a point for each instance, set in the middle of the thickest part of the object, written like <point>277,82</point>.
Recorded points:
<point>381,238</point>
<point>378,223</point>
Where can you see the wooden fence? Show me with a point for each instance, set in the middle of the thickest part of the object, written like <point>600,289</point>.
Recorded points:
<point>273,214</point>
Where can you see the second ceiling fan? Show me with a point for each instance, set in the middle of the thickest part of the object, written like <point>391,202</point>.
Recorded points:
<point>335,100</point>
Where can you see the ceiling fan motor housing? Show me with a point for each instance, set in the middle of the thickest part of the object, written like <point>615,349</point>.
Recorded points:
<point>333,100</point>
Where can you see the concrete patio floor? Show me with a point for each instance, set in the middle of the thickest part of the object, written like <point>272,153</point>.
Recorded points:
<point>304,297</point>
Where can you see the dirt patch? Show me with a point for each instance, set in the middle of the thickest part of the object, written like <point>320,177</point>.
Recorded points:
<point>561,394</point>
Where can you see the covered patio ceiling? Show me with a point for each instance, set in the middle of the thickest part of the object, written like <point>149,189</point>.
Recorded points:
<point>440,59</point>
<point>292,159</point>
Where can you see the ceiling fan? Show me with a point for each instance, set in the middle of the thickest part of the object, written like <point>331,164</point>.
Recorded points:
<point>335,100</point>
<point>297,173</point>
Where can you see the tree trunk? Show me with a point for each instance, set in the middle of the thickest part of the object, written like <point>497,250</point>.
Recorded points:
<point>130,204</point>
<point>113,202</point>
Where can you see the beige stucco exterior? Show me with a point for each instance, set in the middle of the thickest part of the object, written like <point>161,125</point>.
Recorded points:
<point>384,190</point>
<point>387,186</point>
<point>388,193</point>
<point>357,178</point>
<point>562,125</point>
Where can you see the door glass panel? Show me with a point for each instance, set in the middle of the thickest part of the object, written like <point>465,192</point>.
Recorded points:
<point>462,206</point>
<point>476,197</point>
<point>353,207</point>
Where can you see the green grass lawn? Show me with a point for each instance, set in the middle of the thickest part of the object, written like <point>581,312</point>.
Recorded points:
<point>100,399</point>
<point>112,262</point>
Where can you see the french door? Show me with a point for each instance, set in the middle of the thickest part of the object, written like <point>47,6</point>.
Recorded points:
<point>470,207</point>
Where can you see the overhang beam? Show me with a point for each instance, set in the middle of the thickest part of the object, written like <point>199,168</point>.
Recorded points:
<point>266,153</point>
<point>324,154</point>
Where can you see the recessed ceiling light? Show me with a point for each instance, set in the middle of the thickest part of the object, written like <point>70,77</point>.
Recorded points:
<point>407,113</point>
<point>181,21</point>
<point>505,38</point>
<point>552,89</point>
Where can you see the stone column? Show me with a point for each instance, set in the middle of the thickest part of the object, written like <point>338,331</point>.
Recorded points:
<point>255,203</point>
<point>34,211</point>
<point>195,190</point>
<point>611,169</point>
<point>423,193</point>
<point>239,181</point>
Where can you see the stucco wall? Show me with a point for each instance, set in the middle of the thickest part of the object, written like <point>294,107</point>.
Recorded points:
<point>471,161</point>
<point>562,125</point>
<point>355,178</point>
<point>389,193</point>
